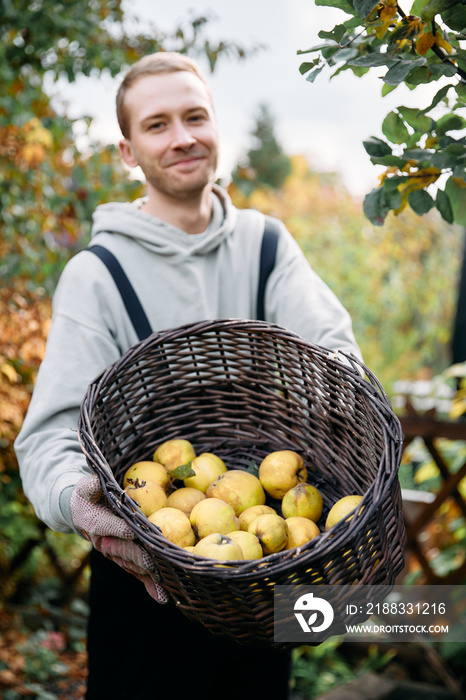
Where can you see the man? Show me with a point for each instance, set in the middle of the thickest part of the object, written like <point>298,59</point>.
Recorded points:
<point>190,255</point>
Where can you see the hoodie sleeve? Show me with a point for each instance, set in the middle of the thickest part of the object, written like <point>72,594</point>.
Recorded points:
<point>298,299</point>
<point>81,343</point>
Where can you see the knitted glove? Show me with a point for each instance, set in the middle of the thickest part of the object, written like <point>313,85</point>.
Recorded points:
<point>112,536</point>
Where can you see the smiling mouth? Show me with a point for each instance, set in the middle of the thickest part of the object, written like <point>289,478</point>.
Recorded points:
<point>191,159</point>
<point>187,160</point>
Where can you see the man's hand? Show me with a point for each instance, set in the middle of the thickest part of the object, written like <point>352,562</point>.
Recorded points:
<point>112,536</point>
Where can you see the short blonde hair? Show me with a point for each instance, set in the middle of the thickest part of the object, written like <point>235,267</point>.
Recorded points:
<point>153,64</point>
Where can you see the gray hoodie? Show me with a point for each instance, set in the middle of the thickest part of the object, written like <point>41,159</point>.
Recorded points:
<point>179,278</point>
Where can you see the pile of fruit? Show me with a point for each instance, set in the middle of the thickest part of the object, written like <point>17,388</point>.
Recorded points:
<point>219,513</point>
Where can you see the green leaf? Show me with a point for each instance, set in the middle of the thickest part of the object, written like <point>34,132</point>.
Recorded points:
<point>373,60</point>
<point>415,118</point>
<point>352,23</point>
<point>459,170</point>
<point>394,128</point>
<point>376,147</point>
<point>442,68</point>
<point>305,67</point>
<point>253,467</point>
<point>417,7</point>
<point>341,69</point>
<point>314,73</point>
<point>319,47</point>
<point>435,7</point>
<point>419,154</point>
<point>375,206</point>
<point>386,89</point>
<point>339,4</point>
<point>455,17</point>
<point>439,96</point>
<point>389,161</point>
<point>442,202</point>
<point>461,91</point>
<point>182,472</point>
<point>345,54</point>
<point>413,139</point>
<point>363,8</point>
<point>358,71</point>
<point>461,61</point>
<point>442,160</point>
<point>457,197</point>
<point>313,49</point>
<point>391,193</point>
<point>337,33</point>
<point>419,76</point>
<point>420,201</point>
<point>401,69</point>
<point>450,122</point>
<point>452,156</point>
<point>330,51</point>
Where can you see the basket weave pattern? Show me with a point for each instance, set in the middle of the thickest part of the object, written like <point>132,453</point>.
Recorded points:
<point>242,389</point>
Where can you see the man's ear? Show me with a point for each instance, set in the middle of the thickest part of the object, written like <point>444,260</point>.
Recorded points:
<point>126,152</point>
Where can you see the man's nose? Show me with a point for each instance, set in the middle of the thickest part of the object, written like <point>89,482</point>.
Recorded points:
<point>182,137</point>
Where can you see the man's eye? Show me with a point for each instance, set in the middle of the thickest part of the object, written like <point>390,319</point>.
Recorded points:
<point>156,126</point>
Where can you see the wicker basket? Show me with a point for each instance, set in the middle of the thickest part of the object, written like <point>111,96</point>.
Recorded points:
<point>243,389</point>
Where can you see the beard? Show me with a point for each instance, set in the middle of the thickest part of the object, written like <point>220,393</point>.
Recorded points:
<point>182,185</point>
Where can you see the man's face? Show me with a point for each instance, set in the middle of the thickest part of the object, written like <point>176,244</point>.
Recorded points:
<point>173,133</point>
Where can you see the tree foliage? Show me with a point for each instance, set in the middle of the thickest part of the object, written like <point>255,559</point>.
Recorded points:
<point>49,188</point>
<point>265,164</point>
<point>424,150</point>
<point>394,280</point>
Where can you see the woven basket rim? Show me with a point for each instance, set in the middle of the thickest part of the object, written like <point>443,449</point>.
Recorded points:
<point>327,542</point>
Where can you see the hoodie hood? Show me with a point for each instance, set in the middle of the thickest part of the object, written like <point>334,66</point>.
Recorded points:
<point>163,238</point>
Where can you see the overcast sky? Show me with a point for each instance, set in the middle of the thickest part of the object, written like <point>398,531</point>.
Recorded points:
<point>325,120</point>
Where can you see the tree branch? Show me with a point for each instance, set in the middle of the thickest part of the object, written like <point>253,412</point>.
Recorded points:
<point>436,49</point>
<point>438,52</point>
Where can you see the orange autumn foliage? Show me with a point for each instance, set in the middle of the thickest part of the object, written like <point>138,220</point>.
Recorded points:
<point>23,334</point>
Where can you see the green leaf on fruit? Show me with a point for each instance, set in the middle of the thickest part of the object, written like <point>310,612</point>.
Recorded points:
<point>252,468</point>
<point>182,472</point>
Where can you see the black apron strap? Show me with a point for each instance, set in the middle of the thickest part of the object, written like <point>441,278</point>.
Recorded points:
<point>133,305</point>
<point>267,262</point>
<point>129,296</point>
